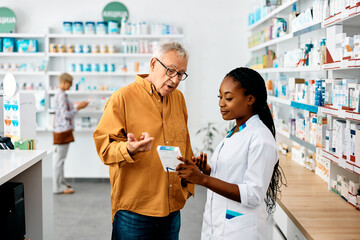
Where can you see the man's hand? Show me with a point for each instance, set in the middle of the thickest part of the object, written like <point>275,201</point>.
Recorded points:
<point>143,145</point>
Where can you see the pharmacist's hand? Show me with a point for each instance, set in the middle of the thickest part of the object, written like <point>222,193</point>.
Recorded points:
<point>189,171</point>
<point>82,105</point>
<point>142,145</point>
<point>201,163</point>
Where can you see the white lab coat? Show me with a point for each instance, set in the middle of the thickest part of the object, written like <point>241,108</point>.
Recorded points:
<point>247,159</point>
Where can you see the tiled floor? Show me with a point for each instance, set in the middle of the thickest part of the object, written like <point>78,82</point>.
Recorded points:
<point>86,214</point>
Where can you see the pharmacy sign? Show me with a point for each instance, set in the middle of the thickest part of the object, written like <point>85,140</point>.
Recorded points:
<point>7,20</point>
<point>115,11</point>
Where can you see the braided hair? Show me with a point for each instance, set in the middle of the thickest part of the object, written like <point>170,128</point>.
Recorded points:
<point>254,84</point>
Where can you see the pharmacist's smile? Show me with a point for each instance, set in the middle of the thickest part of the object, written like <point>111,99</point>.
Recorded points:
<point>223,112</point>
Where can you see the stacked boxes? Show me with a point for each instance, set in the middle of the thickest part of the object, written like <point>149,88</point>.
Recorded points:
<point>348,190</point>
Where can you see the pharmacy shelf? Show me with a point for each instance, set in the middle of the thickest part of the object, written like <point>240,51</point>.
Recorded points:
<point>340,113</point>
<point>310,28</point>
<point>272,14</point>
<point>347,68</point>
<point>19,54</point>
<point>272,42</point>
<point>41,129</point>
<point>21,35</point>
<point>342,65</point>
<point>283,133</point>
<point>335,159</point>
<point>303,143</point>
<point>349,18</point>
<point>304,106</point>
<point>53,92</point>
<point>290,69</point>
<point>26,91</point>
<point>96,74</point>
<point>44,129</point>
<point>330,156</point>
<point>279,100</point>
<point>82,112</point>
<point>24,73</point>
<point>116,36</point>
<point>111,55</point>
<point>84,129</point>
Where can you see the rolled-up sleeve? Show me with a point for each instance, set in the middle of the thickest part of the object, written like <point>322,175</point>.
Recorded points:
<point>110,134</point>
<point>261,160</point>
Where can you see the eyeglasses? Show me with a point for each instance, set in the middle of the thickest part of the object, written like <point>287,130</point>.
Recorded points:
<point>172,72</point>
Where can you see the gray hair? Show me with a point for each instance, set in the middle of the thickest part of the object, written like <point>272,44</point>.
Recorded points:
<point>165,47</point>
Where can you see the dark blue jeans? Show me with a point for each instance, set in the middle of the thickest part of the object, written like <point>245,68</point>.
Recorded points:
<point>132,226</point>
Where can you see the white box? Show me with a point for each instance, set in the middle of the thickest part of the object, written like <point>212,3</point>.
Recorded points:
<point>331,42</point>
<point>357,148</point>
<point>353,128</point>
<point>353,187</point>
<point>345,190</point>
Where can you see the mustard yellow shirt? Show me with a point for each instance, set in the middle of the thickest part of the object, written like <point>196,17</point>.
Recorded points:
<point>139,182</point>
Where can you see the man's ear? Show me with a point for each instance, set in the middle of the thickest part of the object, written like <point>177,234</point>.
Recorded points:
<point>152,64</point>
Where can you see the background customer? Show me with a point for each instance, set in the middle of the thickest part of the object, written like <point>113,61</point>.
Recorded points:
<point>63,132</point>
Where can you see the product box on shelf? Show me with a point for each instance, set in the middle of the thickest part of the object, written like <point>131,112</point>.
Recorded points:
<point>8,45</point>
<point>332,43</point>
<point>357,151</point>
<point>339,141</point>
<point>27,45</point>
<point>20,116</point>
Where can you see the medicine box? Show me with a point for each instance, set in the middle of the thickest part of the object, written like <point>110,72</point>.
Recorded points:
<point>27,45</point>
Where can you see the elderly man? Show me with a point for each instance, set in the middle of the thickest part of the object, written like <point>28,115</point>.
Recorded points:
<point>145,199</point>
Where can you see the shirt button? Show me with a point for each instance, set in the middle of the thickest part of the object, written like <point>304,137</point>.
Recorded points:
<point>170,185</point>
<point>158,100</point>
<point>150,91</point>
<point>167,142</point>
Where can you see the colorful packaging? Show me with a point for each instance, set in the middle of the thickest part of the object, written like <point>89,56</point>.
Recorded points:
<point>61,48</point>
<point>27,45</point>
<point>78,48</point>
<point>89,27</point>
<point>113,27</point>
<point>95,48</point>
<point>101,28</point>
<point>53,48</point>
<point>86,48</point>
<point>70,48</point>
<point>78,28</point>
<point>8,45</point>
<point>67,27</point>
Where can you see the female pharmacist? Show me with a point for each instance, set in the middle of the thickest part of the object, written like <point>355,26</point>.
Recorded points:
<point>243,176</point>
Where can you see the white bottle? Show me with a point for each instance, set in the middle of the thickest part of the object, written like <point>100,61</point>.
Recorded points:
<point>138,28</point>
<point>123,26</point>
<point>325,9</point>
<point>144,27</point>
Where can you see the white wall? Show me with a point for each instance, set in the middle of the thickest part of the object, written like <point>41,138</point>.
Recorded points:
<point>215,35</point>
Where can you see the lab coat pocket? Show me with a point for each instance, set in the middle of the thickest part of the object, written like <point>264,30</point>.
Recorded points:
<point>239,225</point>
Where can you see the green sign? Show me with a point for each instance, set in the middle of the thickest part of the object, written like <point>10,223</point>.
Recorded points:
<point>7,20</point>
<point>115,11</point>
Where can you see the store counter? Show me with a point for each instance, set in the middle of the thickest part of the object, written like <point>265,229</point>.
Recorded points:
<point>34,169</point>
<point>314,210</point>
